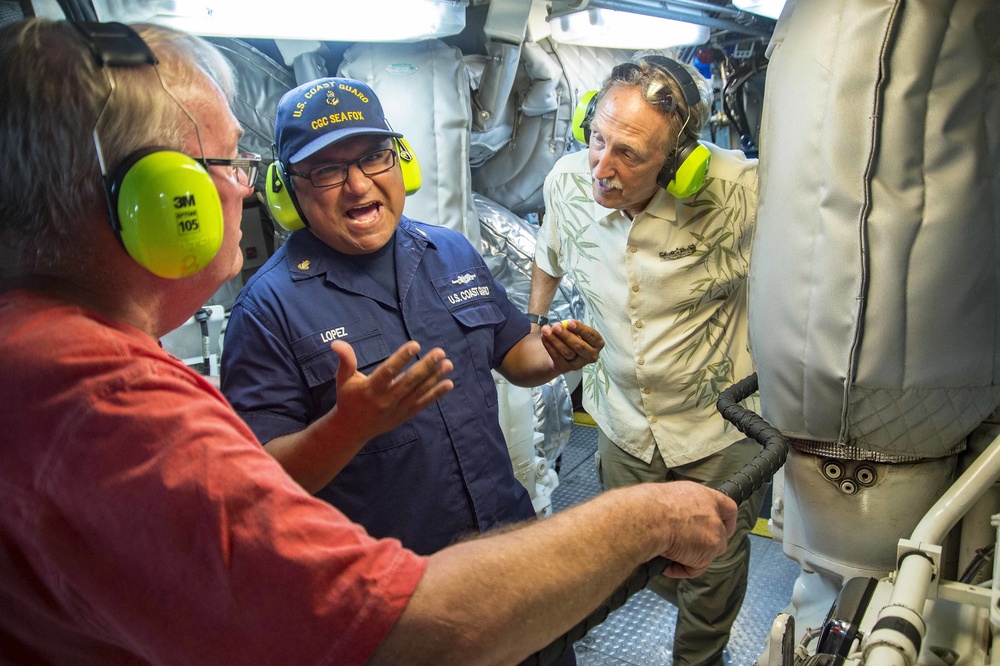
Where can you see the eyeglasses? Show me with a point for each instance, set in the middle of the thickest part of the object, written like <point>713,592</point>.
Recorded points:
<point>245,167</point>
<point>335,173</point>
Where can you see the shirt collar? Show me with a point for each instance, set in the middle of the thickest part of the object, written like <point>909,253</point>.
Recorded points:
<point>309,257</point>
<point>407,226</point>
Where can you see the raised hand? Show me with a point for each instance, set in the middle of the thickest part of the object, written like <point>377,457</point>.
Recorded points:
<point>392,393</point>
<point>367,406</point>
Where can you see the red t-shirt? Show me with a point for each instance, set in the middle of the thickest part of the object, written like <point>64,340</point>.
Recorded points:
<point>140,520</point>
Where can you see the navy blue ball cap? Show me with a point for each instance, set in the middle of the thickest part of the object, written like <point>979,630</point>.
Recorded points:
<point>321,113</point>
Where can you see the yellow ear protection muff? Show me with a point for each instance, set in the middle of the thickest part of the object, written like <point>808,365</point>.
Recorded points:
<point>166,211</point>
<point>684,170</point>
<point>163,205</point>
<point>582,116</point>
<point>412,180</point>
<point>281,199</point>
<point>284,206</point>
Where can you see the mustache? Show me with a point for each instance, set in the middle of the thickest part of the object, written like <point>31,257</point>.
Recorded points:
<point>612,183</point>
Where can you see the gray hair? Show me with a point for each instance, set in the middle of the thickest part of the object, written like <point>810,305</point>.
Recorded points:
<point>662,92</point>
<point>53,95</point>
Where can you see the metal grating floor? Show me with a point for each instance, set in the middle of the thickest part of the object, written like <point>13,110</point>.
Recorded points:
<point>640,633</point>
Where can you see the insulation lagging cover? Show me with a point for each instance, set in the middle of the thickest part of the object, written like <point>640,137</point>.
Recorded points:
<point>874,311</point>
<point>538,121</point>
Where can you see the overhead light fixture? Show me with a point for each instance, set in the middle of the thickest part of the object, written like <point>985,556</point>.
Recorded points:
<point>329,20</point>
<point>768,8</point>
<point>624,30</point>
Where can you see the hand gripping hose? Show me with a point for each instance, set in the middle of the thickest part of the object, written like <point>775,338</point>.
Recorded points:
<point>743,484</point>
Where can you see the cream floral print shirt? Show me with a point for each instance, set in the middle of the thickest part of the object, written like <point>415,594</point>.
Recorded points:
<point>667,291</point>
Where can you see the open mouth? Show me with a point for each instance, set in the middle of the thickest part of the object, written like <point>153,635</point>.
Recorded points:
<point>364,213</point>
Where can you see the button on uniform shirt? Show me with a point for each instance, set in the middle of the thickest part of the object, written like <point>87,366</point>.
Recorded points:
<point>667,291</point>
<point>444,473</point>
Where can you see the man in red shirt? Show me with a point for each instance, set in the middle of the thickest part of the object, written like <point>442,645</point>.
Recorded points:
<point>142,520</point>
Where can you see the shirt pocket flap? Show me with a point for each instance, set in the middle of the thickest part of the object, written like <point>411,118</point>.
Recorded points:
<point>469,297</point>
<point>319,363</point>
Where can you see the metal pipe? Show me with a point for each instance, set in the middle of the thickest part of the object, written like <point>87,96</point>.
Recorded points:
<point>641,6</point>
<point>662,10</point>
<point>955,503</point>
<point>895,640</point>
<point>899,631</point>
<point>686,4</point>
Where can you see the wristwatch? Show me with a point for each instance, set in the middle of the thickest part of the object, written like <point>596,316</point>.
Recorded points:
<point>541,320</point>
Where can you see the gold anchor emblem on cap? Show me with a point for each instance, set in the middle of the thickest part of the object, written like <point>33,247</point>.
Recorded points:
<point>303,265</point>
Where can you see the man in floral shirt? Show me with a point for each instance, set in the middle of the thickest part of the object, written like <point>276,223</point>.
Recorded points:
<point>655,229</point>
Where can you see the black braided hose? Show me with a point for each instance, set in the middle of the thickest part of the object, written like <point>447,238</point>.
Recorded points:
<point>743,484</point>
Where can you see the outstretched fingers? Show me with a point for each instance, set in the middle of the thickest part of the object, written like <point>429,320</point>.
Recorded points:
<point>394,391</point>
<point>407,385</point>
<point>384,375</point>
<point>423,382</point>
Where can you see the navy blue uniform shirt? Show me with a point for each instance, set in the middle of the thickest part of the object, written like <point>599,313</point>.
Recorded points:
<point>444,473</point>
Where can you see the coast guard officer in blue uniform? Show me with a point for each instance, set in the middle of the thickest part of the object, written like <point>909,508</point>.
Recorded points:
<point>362,273</point>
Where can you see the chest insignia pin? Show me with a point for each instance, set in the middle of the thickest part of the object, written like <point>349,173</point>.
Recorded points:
<point>679,252</point>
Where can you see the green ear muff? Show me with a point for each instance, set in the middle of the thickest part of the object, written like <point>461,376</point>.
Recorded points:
<point>280,199</point>
<point>582,116</point>
<point>690,175</point>
<point>412,180</point>
<point>166,211</point>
